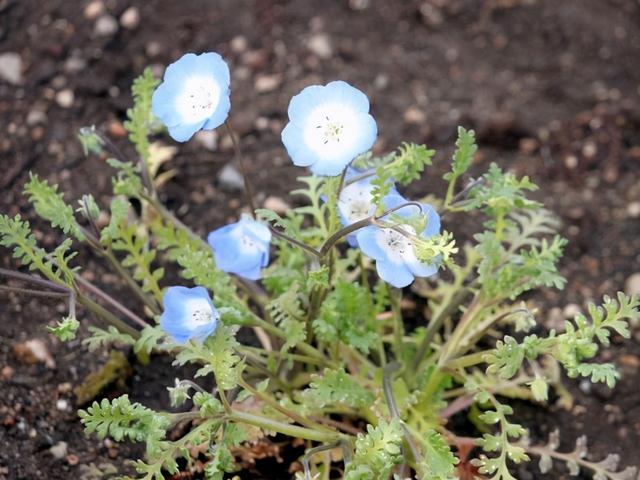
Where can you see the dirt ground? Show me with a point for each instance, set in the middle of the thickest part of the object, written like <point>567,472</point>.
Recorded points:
<point>551,88</point>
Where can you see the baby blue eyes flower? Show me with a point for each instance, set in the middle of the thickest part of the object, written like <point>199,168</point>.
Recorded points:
<point>241,248</point>
<point>193,96</point>
<point>356,202</point>
<point>328,127</point>
<point>395,257</point>
<point>188,314</point>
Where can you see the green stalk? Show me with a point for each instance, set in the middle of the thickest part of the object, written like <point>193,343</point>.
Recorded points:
<point>395,295</point>
<point>295,431</point>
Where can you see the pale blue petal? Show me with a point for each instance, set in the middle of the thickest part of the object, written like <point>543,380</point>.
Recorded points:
<point>433,221</point>
<point>220,114</point>
<point>178,71</point>
<point>213,64</point>
<point>258,231</point>
<point>347,95</point>
<point>397,274</point>
<point>302,104</point>
<point>163,103</point>
<point>394,199</point>
<point>254,273</point>
<point>367,134</point>
<point>331,167</point>
<point>293,140</point>
<point>183,132</point>
<point>422,269</point>
<point>368,243</point>
<point>228,253</point>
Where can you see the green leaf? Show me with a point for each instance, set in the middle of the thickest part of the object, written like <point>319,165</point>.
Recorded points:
<point>376,452</point>
<point>65,329</point>
<point>139,116</point>
<point>91,142</point>
<point>122,419</point>
<point>463,156</point>
<point>50,205</point>
<point>337,387</point>
<point>217,355</point>
<point>438,462</point>
<point>347,314</point>
<point>100,338</point>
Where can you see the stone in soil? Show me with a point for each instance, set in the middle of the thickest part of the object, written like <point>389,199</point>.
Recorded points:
<point>11,68</point>
<point>230,178</point>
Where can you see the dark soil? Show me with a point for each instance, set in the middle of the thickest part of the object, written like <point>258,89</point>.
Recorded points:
<point>552,89</point>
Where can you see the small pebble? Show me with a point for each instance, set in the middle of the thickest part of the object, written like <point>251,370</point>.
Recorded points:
<point>130,18</point>
<point>6,373</point>
<point>62,405</point>
<point>116,129</point>
<point>11,68</point>
<point>276,204</point>
<point>320,44</point>
<point>239,44</point>
<point>72,459</point>
<point>571,310</point>
<point>414,116</point>
<point>33,351</point>
<point>106,26</point>
<point>36,116</point>
<point>632,285</point>
<point>267,83</point>
<point>633,209</point>
<point>65,98</point>
<point>93,10</point>
<point>59,450</point>
<point>230,178</point>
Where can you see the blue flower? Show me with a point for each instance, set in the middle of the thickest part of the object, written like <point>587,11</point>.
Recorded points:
<point>328,127</point>
<point>356,201</point>
<point>395,257</point>
<point>193,96</point>
<point>241,248</point>
<point>188,314</point>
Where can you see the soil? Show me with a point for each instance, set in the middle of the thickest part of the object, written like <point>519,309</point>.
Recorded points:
<point>551,88</point>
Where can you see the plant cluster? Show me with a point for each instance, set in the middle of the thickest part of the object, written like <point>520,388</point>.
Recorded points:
<point>334,363</point>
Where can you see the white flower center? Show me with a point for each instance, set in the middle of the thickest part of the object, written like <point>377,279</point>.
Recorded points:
<point>399,248</point>
<point>331,129</point>
<point>199,99</point>
<point>198,313</point>
<point>355,202</point>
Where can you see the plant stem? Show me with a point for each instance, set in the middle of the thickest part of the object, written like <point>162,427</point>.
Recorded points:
<point>302,346</point>
<point>273,403</point>
<point>436,323</point>
<point>387,386</point>
<point>110,300</point>
<point>395,296</point>
<point>238,153</point>
<point>107,316</point>
<point>150,302</point>
<point>333,239</point>
<point>284,428</point>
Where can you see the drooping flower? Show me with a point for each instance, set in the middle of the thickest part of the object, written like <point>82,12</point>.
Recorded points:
<point>328,127</point>
<point>193,96</point>
<point>356,201</point>
<point>241,248</point>
<point>394,253</point>
<point>188,314</point>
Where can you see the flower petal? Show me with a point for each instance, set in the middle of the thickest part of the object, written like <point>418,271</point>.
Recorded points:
<point>397,274</point>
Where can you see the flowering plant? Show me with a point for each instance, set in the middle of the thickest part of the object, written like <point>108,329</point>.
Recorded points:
<point>335,362</point>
